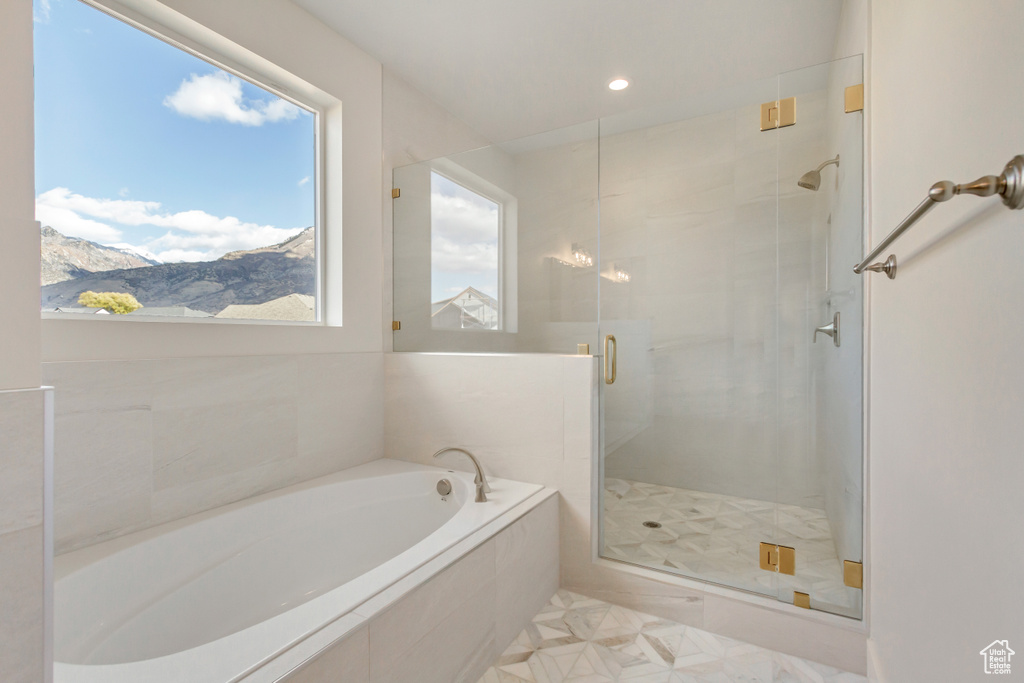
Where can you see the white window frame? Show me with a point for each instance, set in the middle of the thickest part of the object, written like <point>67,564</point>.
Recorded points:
<point>210,48</point>
<point>508,217</point>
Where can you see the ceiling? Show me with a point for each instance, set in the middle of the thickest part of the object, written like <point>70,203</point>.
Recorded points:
<point>515,68</point>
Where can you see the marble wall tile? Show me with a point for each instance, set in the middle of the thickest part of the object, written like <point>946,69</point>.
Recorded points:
<point>198,382</point>
<point>340,415</point>
<point>103,474</point>
<point>194,444</point>
<point>205,494</point>
<point>139,443</point>
<point>347,661</point>
<point>21,604</point>
<point>507,410</point>
<point>451,615</point>
<point>21,459</point>
<point>526,569</point>
<point>440,656</point>
<point>419,612</point>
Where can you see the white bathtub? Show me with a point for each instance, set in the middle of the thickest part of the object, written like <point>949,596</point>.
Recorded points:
<point>214,596</point>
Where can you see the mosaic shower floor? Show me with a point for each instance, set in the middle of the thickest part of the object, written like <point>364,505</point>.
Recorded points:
<point>714,537</point>
<point>576,639</point>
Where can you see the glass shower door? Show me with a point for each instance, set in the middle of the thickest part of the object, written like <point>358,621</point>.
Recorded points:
<point>820,510</point>
<point>688,290</point>
<point>727,426</point>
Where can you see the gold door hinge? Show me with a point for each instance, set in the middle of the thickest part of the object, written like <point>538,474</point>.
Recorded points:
<point>778,114</point>
<point>395,193</point>
<point>778,558</point>
<point>854,98</point>
<point>396,325</point>
<point>583,349</point>
<point>853,574</point>
<point>801,599</point>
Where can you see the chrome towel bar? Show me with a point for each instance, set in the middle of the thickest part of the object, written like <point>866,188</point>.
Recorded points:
<point>1009,185</point>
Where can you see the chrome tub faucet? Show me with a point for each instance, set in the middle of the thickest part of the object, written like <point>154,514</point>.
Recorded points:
<point>480,480</point>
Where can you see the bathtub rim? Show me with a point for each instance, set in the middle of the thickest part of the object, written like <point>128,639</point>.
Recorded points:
<point>349,619</point>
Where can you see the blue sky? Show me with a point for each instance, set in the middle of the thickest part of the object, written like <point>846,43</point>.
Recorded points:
<point>139,143</point>
<point>464,229</point>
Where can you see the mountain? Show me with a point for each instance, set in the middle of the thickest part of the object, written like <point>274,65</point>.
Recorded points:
<point>66,258</point>
<point>240,277</point>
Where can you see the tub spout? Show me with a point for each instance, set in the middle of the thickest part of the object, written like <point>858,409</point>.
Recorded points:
<point>480,480</point>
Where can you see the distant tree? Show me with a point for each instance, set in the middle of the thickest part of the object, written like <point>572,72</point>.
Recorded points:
<point>114,302</point>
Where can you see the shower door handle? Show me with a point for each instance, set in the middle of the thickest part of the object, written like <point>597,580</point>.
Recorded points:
<point>832,329</point>
<point>610,357</point>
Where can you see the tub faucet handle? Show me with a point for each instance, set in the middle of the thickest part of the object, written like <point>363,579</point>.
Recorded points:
<point>482,487</point>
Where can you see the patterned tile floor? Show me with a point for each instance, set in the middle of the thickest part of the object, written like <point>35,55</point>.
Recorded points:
<point>576,639</point>
<point>714,537</point>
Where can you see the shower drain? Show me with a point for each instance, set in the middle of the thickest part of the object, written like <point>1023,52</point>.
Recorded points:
<point>652,525</point>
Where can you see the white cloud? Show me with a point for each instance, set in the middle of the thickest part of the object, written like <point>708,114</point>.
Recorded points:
<point>67,222</point>
<point>41,11</point>
<point>123,192</point>
<point>218,96</point>
<point>303,181</point>
<point>191,235</point>
<point>464,235</point>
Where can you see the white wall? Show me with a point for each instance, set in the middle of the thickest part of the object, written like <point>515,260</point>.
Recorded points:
<point>19,260</point>
<point>23,554</point>
<point>947,546</point>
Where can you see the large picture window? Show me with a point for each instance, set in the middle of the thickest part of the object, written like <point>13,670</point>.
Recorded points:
<point>166,185</point>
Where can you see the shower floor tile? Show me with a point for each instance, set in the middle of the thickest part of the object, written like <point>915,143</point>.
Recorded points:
<point>582,640</point>
<point>714,537</point>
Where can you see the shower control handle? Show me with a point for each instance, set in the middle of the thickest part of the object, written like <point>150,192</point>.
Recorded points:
<point>832,330</point>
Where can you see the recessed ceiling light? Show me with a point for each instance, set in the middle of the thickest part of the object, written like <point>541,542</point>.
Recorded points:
<point>619,84</point>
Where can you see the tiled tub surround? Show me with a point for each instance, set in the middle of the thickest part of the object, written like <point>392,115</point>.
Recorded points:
<point>715,537</point>
<point>25,456</point>
<point>535,418</point>
<point>579,639</point>
<point>271,578</point>
<point>140,443</point>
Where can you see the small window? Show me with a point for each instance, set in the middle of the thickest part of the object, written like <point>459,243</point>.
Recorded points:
<point>465,254</point>
<point>167,186</point>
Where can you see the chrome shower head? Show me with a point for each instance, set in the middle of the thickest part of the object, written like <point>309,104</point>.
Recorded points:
<point>812,179</point>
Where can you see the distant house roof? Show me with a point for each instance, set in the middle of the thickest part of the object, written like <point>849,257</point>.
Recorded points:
<point>171,312</point>
<point>82,311</point>
<point>290,307</point>
<point>468,309</point>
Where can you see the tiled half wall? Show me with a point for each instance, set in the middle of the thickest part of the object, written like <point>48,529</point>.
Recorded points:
<point>139,443</point>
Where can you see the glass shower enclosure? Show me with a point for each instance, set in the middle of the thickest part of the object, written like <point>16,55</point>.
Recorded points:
<point>733,429</point>
<point>709,262</point>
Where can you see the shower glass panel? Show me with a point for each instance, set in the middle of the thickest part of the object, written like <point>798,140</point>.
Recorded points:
<point>727,426</point>
<point>688,210</point>
<point>820,509</point>
<point>496,248</point>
